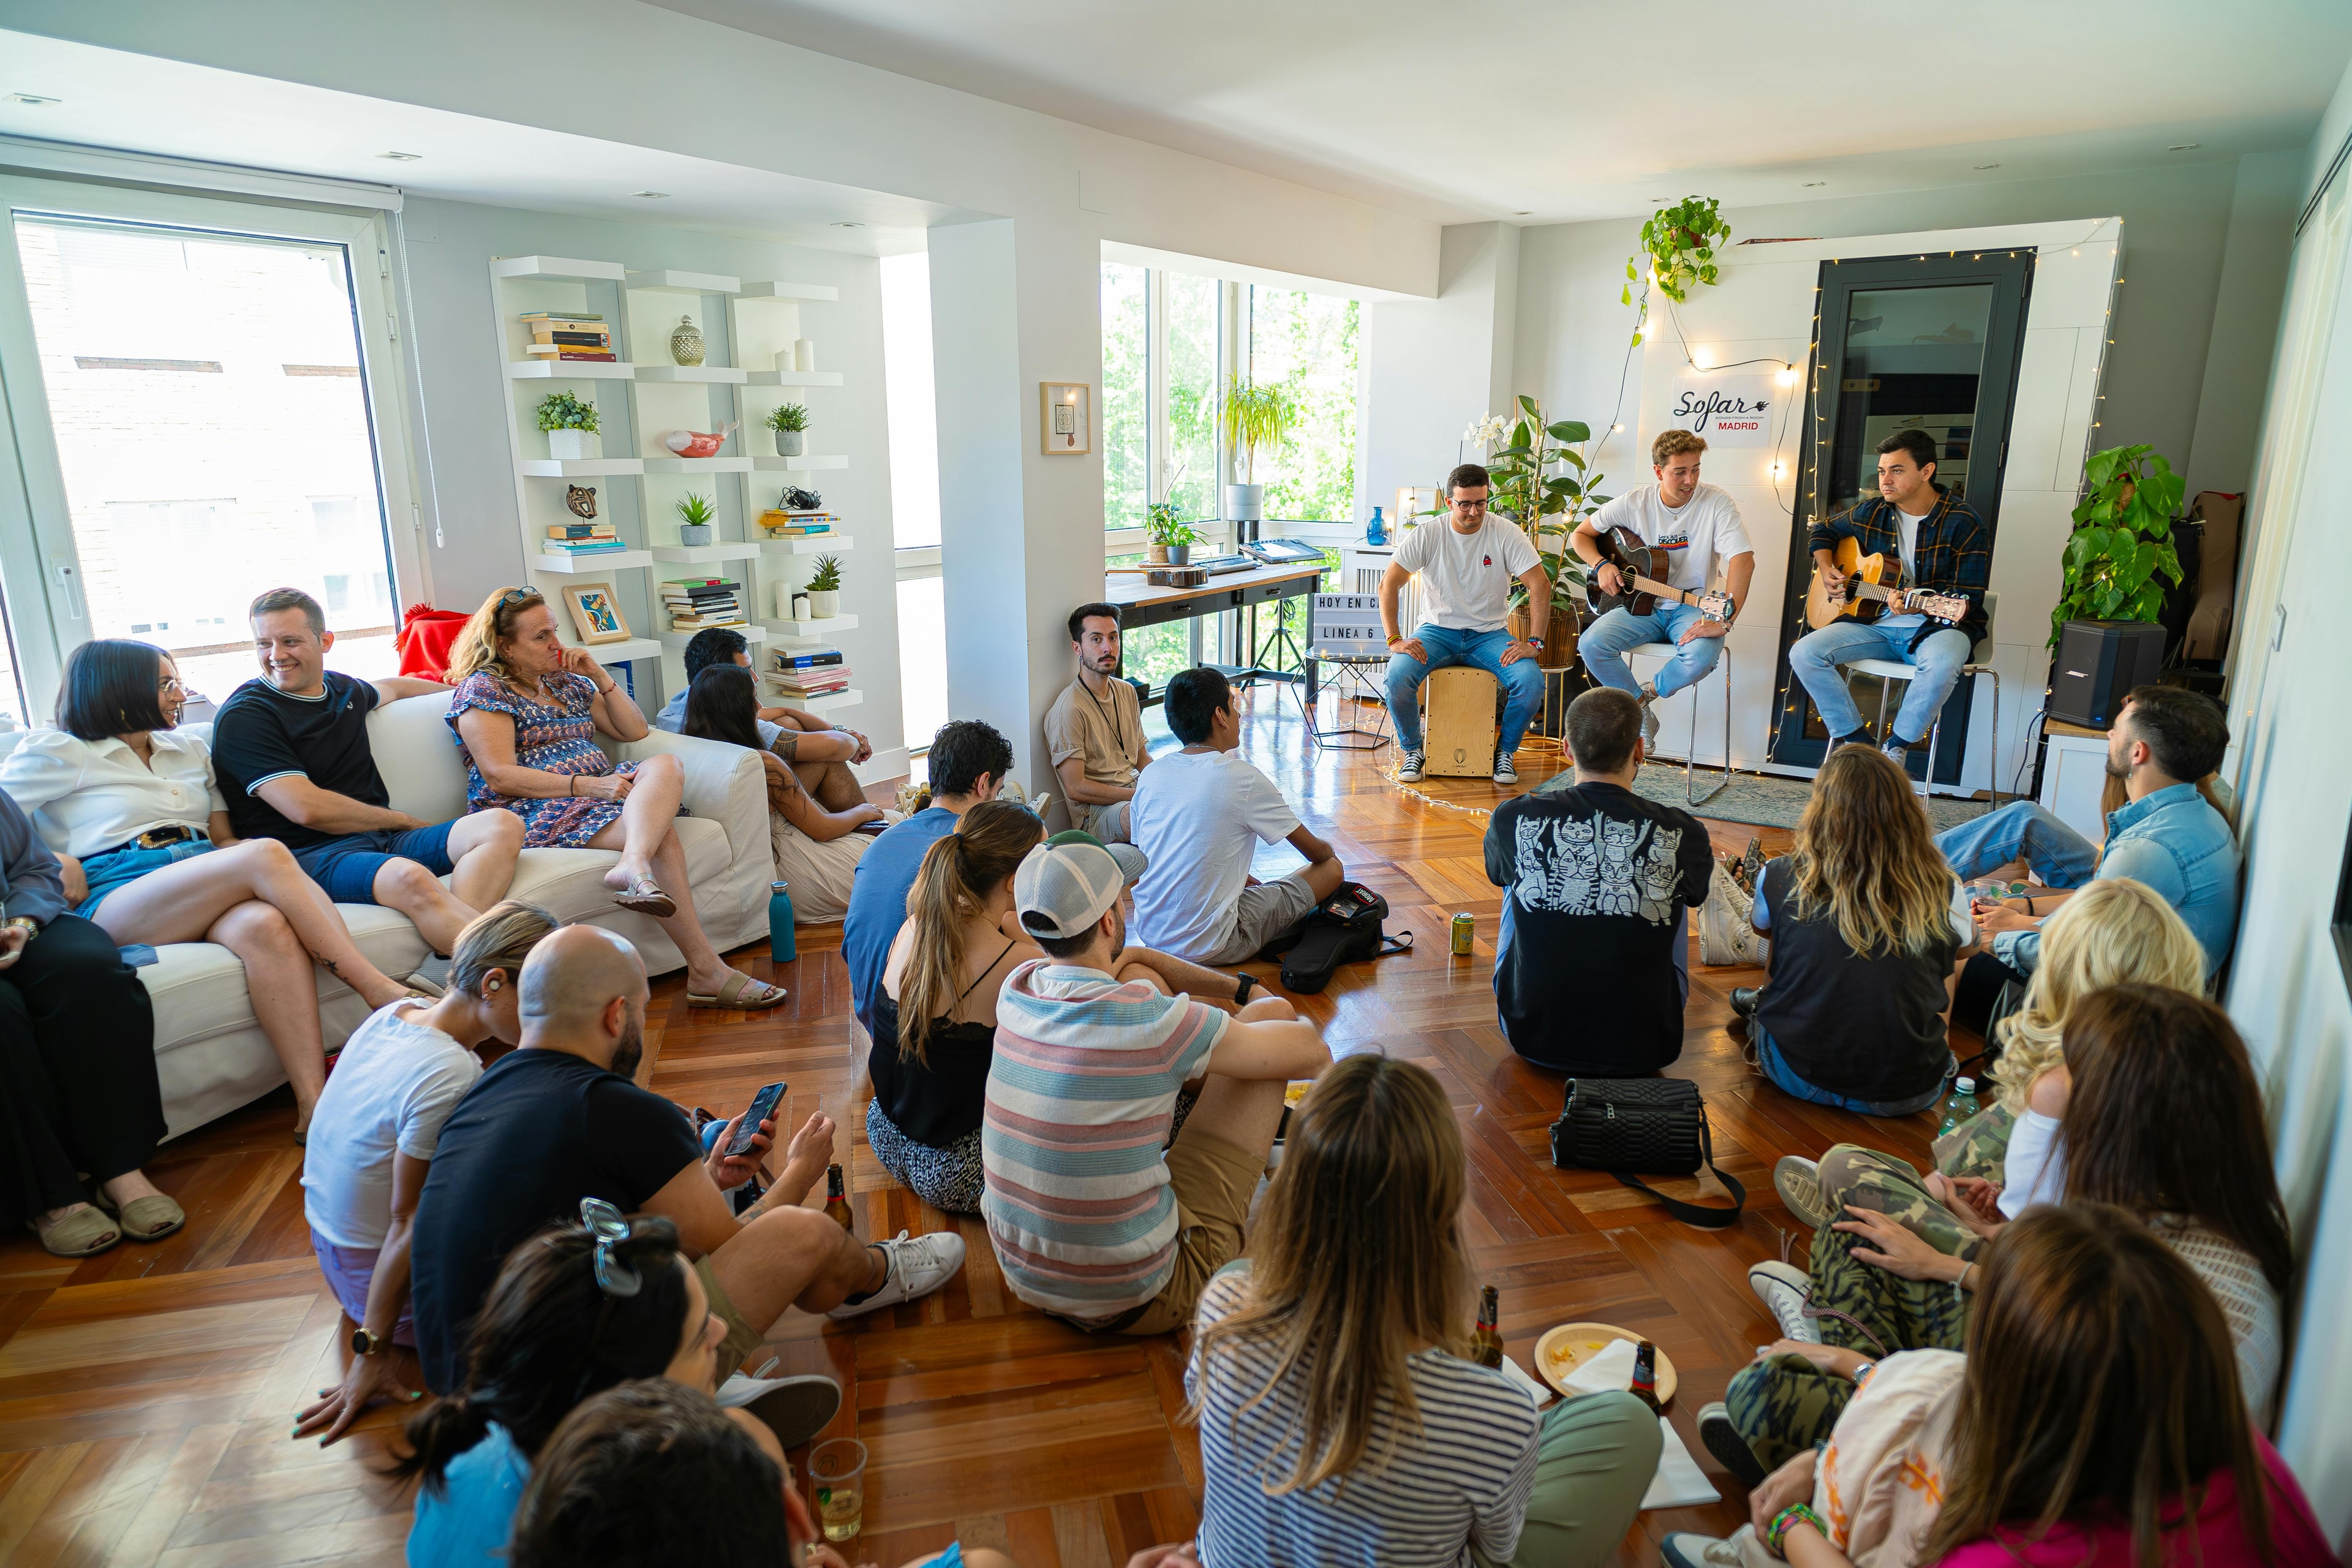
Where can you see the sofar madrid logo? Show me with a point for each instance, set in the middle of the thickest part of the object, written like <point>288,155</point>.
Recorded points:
<point>1728,410</point>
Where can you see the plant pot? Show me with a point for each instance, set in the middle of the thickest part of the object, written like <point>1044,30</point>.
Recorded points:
<point>823,605</point>
<point>1244,503</point>
<point>1178,555</point>
<point>789,442</point>
<point>695,533</point>
<point>1559,637</point>
<point>573,444</point>
<point>1155,556</point>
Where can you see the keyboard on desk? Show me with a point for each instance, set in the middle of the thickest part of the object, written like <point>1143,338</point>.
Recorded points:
<point>1219,565</point>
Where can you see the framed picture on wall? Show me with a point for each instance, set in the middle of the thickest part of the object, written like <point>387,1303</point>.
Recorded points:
<point>596,612</point>
<point>1066,417</point>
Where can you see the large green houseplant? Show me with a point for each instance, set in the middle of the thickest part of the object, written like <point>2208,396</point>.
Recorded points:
<point>1679,243</point>
<point>1542,478</point>
<point>1258,416</point>
<point>2122,543</point>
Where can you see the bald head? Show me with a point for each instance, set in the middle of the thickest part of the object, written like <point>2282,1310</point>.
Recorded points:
<point>570,983</point>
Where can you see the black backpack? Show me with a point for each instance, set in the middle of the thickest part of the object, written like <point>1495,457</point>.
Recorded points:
<point>1344,929</point>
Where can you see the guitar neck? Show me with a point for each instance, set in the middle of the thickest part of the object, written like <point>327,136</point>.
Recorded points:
<point>1679,595</point>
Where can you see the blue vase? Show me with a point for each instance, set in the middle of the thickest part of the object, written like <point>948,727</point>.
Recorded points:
<point>779,925</point>
<point>1378,532</point>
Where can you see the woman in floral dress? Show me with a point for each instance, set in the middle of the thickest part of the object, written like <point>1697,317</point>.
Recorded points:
<point>526,711</point>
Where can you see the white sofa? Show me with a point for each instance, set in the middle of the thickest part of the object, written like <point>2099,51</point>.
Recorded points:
<point>213,1058</point>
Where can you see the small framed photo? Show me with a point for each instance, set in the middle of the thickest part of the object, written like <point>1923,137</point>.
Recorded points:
<point>1066,417</point>
<point>596,612</point>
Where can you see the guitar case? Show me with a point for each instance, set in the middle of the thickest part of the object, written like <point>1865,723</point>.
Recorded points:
<point>1343,929</point>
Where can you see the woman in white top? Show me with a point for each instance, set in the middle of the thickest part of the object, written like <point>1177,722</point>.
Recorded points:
<point>137,821</point>
<point>399,1077</point>
<point>1342,1420</point>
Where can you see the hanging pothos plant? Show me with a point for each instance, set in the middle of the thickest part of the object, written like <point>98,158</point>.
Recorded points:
<point>2122,540</point>
<point>1680,242</point>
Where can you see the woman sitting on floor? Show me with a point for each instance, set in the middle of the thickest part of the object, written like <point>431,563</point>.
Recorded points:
<point>1865,919</point>
<point>935,1021</point>
<point>399,1077</point>
<point>2159,1113</point>
<point>1342,1420</point>
<point>815,850</point>
<point>131,804</point>
<point>525,712</point>
<point>2098,1419</point>
<point>2110,932</point>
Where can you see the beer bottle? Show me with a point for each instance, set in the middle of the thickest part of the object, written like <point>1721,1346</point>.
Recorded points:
<point>836,1203</point>
<point>1646,1374</point>
<point>1488,1342</point>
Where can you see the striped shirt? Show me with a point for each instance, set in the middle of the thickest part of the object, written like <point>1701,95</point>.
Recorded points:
<point>1081,1092</point>
<point>1464,1478</point>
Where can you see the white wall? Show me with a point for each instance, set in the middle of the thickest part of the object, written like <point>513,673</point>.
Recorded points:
<point>1431,367</point>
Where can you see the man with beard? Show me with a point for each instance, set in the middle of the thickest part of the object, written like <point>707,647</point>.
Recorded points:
<point>561,1120</point>
<point>1094,729</point>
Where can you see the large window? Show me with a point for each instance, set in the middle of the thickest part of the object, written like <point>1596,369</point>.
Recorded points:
<point>1126,395</point>
<point>1307,341</point>
<point>912,411</point>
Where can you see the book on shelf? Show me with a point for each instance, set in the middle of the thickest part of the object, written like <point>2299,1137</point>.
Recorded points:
<point>574,339</point>
<point>701,601</point>
<point>561,318</point>
<point>783,661</point>
<point>796,524</point>
<point>566,356</point>
<point>703,622</point>
<point>580,530</point>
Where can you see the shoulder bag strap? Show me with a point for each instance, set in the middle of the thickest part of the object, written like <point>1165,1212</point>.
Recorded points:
<point>1695,1214</point>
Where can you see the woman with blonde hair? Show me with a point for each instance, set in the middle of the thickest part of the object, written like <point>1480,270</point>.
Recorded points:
<point>525,712</point>
<point>1866,920</point>
<point>935,1021</point>
<point>1342,1420</point>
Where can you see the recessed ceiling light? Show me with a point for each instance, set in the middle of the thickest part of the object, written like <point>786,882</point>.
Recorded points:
<point>651,196</point>
<point>32,100</point>
<point>1988,166</point>
<point>401,157</point>
<point>846,223</point>
<point>2184,146</point>
<point>1815,184</point>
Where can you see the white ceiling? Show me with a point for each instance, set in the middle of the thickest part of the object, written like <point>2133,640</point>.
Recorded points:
<point>1547,110</point>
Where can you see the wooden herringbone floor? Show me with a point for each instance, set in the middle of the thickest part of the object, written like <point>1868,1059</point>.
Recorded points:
<point>146,1395</point>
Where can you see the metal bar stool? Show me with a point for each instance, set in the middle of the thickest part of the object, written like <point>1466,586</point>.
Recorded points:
<point>1690,777</point>
<point>1978,663</point>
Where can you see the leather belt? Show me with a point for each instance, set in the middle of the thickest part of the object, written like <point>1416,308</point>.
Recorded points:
<point>157,837</point>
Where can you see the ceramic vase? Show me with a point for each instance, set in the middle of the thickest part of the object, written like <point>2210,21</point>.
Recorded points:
<point>571,444</point>
<point>1244,503</point>
<point>686,343</point>
<point>789,442</point>
<point>823,603</point>
<point>695,533</point>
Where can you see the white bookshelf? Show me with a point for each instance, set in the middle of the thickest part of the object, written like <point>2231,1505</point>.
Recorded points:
<point>697,554</point>
<point>816,293</point>
<point>665,280</point>
<point>811,463</point>
<point>601,566</point>
<point>581,467</point>
<point>677,640</point>
<point>849,697</point>
<point>793,378</point>
<point>709,375</point>
<point>556,268</point>
<point>811,630</point>
<point>625,652</point>
<point>814,544</point>
<point>569,370</point>
<point>719,465</point>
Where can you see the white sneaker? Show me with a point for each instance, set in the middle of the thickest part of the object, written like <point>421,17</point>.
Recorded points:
<point>1409,768</point>
<point>917,1267</point>
<point>794,1408</point>
<point>1784,1288</point>
<point>1686,1550</point>
<point>1796,1181</point>
<point>1507,768</point>
<point>1649,726</point>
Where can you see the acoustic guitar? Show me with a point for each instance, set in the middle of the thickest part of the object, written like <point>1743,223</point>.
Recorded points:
<point>1874,585</point>
<point>1642,569</point>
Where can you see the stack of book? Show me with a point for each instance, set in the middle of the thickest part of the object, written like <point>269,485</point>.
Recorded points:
<point>797,524</point>
<point>695,603</point>
<point>578,540</point>
<point>577,335</point>
<point>814,673</point>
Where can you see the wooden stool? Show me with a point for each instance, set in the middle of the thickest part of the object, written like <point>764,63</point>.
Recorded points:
<point>1458,726</point>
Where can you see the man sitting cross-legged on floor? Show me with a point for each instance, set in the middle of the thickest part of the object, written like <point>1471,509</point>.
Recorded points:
<point>291,753</point>
<point>1092,1219</point>
<point>1094,731</point>
<point>820,753</point>
<point>1198,816</point>
<point>1597,882</point>
<point>560,1120</point>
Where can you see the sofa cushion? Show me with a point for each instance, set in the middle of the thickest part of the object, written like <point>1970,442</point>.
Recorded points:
<point>569,883</point>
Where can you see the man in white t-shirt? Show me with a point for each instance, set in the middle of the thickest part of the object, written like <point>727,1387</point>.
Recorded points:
<point>1699,526</point>
<point>1467,569</point>
<point>1199,815</point>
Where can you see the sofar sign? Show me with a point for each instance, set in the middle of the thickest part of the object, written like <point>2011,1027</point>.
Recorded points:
<point>1728,410</point>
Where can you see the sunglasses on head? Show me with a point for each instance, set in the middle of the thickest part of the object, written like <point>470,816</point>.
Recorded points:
<point>611,1227</point>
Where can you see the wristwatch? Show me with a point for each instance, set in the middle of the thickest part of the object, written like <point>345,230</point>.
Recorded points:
<point>366,1342</point>
<point>1535,642</point>
<point>1242,991</point>
<point>32,927</point>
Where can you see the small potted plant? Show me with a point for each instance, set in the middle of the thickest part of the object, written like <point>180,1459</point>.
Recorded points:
<point>788,420</point>
<point>1168,540</point>
<point>824,588</point>
<point>569,424</point>
<point>694,515</point>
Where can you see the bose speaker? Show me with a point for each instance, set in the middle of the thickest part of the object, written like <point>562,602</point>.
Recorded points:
<point>2098,663</point>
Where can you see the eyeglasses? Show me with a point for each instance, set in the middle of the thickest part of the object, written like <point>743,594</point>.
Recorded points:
<point>170,686</point>
<point>1470,506</point>
<point>610,1227</point>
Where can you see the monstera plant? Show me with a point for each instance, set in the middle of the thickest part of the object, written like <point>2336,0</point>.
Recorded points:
<point>2122,543</point>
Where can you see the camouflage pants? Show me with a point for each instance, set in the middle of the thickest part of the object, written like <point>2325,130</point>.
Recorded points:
<point>1783,1404</point>
<point>1979,1146</point>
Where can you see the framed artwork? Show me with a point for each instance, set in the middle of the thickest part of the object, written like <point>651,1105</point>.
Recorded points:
<point>596,612</point>
<point>1066,417</point>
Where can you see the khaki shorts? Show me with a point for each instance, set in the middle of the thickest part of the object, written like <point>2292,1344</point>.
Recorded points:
<point>743,1339</point>
<point>1213,1181</point>
<point>1261,913</point>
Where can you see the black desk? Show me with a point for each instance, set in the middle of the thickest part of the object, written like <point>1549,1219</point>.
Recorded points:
<point>1141,604</point>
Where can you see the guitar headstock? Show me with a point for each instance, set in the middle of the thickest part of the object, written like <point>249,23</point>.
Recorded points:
<point>1716,605</point>
<point>1952,608</point>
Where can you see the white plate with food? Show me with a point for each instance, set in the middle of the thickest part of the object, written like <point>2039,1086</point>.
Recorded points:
<point>1564,1349</point>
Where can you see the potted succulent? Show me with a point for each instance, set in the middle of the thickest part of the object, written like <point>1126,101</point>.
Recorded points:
<point>788,420</point>
<point>569,424</point>
<point>1169,539</point>
<point>694,515</point>
<point>824,588</point>
<point>1258,417</point>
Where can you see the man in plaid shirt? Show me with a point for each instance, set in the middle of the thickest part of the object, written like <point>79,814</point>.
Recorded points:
<point>1946,549</point>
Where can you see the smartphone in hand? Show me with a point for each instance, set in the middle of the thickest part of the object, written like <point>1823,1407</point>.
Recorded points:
<point>761,1109</point>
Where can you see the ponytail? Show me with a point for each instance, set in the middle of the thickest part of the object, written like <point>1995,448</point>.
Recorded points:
<point>953,887</point>
<point>436,1435</point>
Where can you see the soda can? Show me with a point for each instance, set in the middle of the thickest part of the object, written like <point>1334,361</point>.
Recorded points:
<point>1465,928</point>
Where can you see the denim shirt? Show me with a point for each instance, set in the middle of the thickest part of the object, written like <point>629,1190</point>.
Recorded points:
<point>2176,844</point>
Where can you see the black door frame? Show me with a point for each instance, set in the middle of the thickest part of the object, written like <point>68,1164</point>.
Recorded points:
<point>2010,272</point>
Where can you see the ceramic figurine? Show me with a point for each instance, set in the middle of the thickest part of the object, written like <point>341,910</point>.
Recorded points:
<point>581,499</point>
<point>700,443</point>
<point>686,343</point>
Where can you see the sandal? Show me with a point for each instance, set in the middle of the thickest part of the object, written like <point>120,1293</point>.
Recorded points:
<point>733,992</point>
<point>150,1219</point>
<point>645,896</point>
<point>84,1233</point>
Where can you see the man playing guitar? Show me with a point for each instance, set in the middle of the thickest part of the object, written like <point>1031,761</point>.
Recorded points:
<point>1945,549</point>
<point>1698,525</point>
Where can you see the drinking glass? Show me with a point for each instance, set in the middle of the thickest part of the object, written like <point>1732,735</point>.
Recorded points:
<point>838,1471</point>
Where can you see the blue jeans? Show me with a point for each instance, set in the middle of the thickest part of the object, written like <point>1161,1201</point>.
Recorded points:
<point>1522,680</point>
<point>115,869</point>
<point>1767,1056</point>
<point>1815,659</point>
<point>1606,640</point>
<point>2023,831</point>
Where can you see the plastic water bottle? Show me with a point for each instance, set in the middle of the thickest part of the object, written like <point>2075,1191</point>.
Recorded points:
<point>779,923</point>
<point>1961,1106</point>
<point>1378,532</point>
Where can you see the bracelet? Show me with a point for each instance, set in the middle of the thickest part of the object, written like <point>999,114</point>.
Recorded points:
<point>2029,904</point>
<point>1796,1513</point>
<point>1862,1372</point>
<point>571,784</point>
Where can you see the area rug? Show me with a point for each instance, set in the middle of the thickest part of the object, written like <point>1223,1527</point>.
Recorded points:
<point>1766,801</point>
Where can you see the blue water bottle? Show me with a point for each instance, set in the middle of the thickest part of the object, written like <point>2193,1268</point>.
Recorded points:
<point>1378,531</point>
<point>779,923</point>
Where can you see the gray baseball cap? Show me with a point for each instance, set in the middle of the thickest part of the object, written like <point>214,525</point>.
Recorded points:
<point>1071,880</point>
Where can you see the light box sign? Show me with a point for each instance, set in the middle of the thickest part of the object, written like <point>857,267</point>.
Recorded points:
<point>1724,410</point>
<point>1346,626</point>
